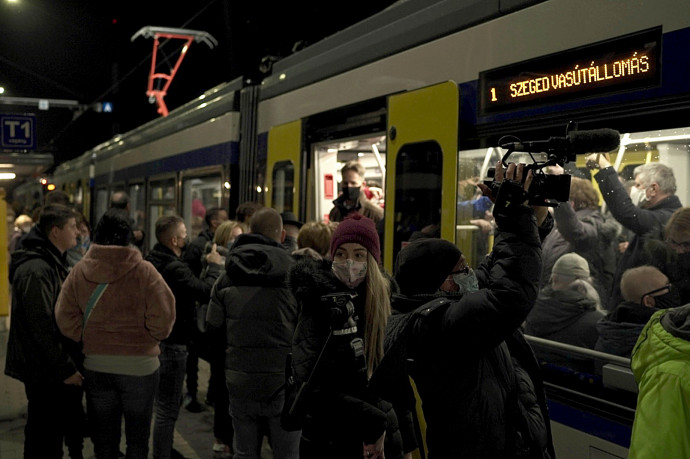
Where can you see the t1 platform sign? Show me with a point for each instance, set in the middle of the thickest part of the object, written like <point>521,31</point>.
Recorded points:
<point>18,132</point>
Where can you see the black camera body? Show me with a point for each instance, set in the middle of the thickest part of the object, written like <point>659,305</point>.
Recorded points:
<point>342,311</point>
<point>544,188</point>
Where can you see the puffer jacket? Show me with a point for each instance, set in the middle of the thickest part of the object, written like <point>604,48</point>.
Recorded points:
<point>660,365</point>
<point>134,313</point>
<point>342,409</point>
<point>566,316</point>
<point>36,351</point>
<point>260,314</point>
<point>459,357</point>
<point>619,330</point>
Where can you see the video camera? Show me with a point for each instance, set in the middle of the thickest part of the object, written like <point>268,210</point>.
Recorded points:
<point>545,189</point>
<point>342,311</point>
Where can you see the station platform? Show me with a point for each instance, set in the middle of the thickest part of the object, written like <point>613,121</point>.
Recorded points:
<point>193,431</point>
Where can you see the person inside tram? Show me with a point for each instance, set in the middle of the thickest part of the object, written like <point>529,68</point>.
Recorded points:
<point>581,228</point>
<point>351,198</point>
<point>120,200</point>
<point>568,308</point>
<point>645,291</point>
<point>656,185</point>
<point>457,329</point>
<point>678,241</point>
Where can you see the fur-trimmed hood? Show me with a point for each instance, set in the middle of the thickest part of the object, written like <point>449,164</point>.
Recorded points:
<point>309,279</point>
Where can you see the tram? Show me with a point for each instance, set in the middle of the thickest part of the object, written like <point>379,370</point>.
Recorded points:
<point>421,95</point>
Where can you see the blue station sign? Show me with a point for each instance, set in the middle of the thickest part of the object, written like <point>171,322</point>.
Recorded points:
<point>17,132</point>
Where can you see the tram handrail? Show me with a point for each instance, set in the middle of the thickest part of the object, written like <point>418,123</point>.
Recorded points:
<point>623,361</point>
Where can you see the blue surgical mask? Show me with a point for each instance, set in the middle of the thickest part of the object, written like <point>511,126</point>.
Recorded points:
<point>466,281</point>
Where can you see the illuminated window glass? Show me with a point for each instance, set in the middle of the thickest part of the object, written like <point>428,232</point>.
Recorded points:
<point>199,194</point>
<point>283,186</point>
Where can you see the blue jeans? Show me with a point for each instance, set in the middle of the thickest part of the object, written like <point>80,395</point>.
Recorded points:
<point>248,417</point>
<point>173,359</point>
<point>109,397</point>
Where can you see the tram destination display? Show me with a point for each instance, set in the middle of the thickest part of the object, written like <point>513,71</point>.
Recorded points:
<point>624,63</point>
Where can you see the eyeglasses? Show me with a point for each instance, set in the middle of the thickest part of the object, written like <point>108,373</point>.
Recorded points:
<point>684,246</point>
<point>657,290</point>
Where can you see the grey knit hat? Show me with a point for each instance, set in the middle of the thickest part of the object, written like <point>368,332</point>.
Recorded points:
<point>573,265</point>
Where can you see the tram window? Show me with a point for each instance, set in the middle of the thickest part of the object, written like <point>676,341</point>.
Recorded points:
<point>474,225</point>
<point>283,186</point>
<point>418,180</point>
<point>198,195</point>
<point>162,202</point>
<point>137,204</point>
<point>101,203</point>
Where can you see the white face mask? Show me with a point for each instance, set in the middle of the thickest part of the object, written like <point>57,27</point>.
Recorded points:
<point>349,272</point>
<point>638,196</point>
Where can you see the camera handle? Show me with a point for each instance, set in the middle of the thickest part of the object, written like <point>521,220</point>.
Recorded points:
<point>303,388</point>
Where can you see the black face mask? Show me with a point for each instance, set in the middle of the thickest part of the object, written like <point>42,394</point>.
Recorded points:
<point>351,193</point>
<point>668,300</point>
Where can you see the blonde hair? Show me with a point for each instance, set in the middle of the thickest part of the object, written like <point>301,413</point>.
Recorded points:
<point>317,236</point>
<point>377,308</point>
<point>224,231</point>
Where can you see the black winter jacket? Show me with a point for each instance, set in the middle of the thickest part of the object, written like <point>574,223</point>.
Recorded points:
<point>186,287</point>
<point>459,358</point>
<point>619,330</point>
<point>36,351</point>
<point>566,316</point>
<point>343,409</point>
<point>645,223</point>
<point>193,252</point>
<point>260,314</point>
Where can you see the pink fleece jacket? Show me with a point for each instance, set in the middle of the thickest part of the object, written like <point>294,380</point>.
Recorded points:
<point>133,315</point>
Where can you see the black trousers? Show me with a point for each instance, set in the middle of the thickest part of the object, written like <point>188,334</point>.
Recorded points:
<point>55,414</point>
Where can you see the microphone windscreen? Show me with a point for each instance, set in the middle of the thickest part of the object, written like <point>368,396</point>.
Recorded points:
<point>594,141</point>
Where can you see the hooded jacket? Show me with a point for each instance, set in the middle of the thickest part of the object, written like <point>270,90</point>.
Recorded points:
<point>254,304</point>
<point>645,223</point>
<point>186,287</point>
<point>135,312</point>
<point>660,364</point>
<point>36,351</point>
<point>342,409</point>
<point>619,330</point>
<point>566,316</point>
<point>457,351</point>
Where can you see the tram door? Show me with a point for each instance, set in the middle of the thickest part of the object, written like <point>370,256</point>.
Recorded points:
<point>421,174</point>
<point>422,135</point>
<point>283,167</point>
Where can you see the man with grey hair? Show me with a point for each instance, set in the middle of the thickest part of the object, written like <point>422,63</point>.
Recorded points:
<point>259,313</point>
<point>645,220</point>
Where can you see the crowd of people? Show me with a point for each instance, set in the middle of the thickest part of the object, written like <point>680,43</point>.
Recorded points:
<point>312,343</point>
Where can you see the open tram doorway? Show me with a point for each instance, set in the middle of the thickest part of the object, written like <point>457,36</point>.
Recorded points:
<point>329,159</point>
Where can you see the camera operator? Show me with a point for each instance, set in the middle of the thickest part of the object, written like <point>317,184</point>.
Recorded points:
<point>458,333</point>
<point>341,377</point>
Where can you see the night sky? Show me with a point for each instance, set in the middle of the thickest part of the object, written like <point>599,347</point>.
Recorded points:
<point>81,50</point>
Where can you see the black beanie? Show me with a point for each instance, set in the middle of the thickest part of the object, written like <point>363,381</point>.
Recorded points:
<point>424,265</point>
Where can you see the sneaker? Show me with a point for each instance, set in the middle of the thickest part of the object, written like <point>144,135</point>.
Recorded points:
<point>222,450</point>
